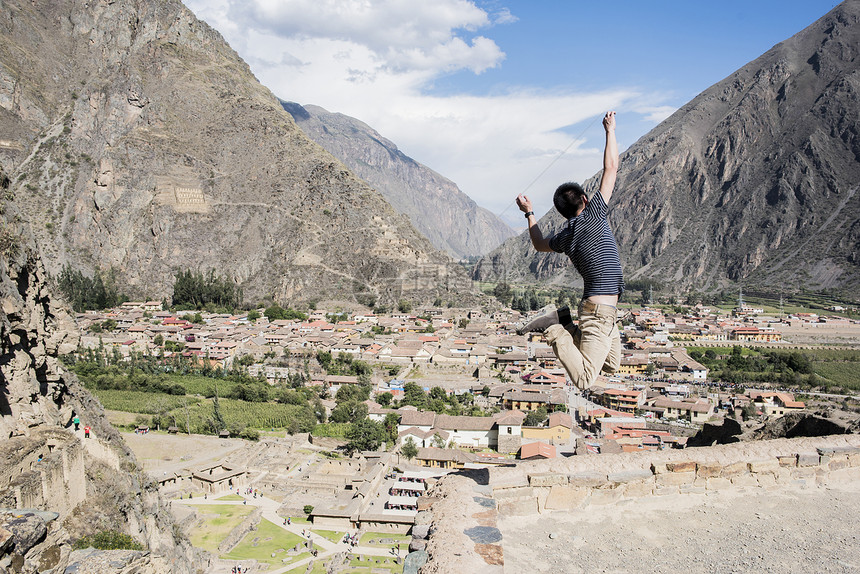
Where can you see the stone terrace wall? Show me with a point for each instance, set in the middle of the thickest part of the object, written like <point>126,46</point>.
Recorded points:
<point>459,531</point>
<point>56,482</point>
<point>798,462</point>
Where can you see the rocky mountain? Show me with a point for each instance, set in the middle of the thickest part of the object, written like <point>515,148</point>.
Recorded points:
<point>449,218</point>
<point>56,486</point>
<point>136,138</point>
<point>755,181</point>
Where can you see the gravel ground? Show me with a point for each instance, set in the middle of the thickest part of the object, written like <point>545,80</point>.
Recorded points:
<point>158,452</point>
<point>799,530</point>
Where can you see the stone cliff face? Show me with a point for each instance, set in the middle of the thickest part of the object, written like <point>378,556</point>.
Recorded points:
<point>135,138</point>
<point>451,220</point>
<point>753,181</point>
<point>67,486</point>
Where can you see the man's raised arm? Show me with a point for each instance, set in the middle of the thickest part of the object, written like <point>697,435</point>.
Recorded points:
<point>538,240</point>
<point>610,158</point>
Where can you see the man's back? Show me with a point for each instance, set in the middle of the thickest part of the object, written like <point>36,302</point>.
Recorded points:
<point>590,244</point>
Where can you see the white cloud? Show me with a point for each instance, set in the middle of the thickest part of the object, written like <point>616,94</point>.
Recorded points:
<point>373,60</point>
<point>655,114</point>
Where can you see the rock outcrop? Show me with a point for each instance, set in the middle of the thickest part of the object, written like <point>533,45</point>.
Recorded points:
<point>755,180</point>
<point>56,486</point>
<point>137,139</point>
<point>437,208</point>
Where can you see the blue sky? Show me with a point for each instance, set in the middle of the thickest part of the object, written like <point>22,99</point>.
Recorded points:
<point>489,92</point>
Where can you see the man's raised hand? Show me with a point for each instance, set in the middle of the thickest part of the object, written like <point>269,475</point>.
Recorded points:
<point>524,203</point>
<point>609,121</point>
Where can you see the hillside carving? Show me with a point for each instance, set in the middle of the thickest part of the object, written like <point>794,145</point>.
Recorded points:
<point>157,150</point>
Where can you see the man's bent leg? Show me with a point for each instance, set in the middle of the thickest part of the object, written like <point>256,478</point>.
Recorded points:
<point>613,359</point>
<point>580,367</point>
<point>566,351</point>
<point>595,340</point>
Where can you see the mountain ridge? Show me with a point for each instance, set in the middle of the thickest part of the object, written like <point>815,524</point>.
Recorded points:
<point>137,139</point>
<point>449,218</point>
<point>753,181</point>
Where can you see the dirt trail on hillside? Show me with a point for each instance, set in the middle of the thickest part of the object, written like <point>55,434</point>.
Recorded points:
<point>779,531</point>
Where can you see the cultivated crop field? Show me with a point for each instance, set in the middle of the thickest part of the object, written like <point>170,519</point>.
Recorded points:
<point>140,402</point>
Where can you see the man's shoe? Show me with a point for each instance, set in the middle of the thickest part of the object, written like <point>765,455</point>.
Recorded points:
<point>546,317</point>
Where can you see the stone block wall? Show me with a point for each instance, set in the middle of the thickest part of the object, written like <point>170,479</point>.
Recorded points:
<point>700,471</point>
<point>460,530</point>
<point>509,443</point>
<point>56,482</point>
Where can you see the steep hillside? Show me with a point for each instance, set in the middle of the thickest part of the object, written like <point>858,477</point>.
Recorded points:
<point>754,181</point>
<point>450,219</point>
<point>61,485</point>
<point>136,138</point>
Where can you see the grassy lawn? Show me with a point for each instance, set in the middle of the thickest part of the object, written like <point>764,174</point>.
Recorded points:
<point>218,521</point>
<point>232,497</point>
<point>299,520</point>
<point>268,539</point>
<point>330,535</point>
<point>368,565</point>
<point>402,539</point>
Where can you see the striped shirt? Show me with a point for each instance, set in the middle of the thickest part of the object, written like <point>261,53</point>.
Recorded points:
<point>589,243</point>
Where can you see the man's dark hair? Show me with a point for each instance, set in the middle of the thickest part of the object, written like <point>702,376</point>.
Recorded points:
<point>569,199</point>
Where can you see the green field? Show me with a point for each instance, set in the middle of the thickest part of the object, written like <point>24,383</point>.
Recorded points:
<point>375,537</point>
<point>256,415</point>
<point>140,402</point>
<point>369,565</point>
<point>333,430</point>
<point>839,374</point>
<point>200,411</point>
<point>204,386</point>
<point>218,521</point>
<point>330,535</point>
<point>268,539</point>
<point>231,498</point>
<point>833,369</point>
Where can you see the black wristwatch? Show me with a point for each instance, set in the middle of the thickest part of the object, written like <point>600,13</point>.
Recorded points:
<point>529,213</point>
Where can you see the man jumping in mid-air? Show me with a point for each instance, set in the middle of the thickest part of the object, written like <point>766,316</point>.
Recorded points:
<point>589,243</point>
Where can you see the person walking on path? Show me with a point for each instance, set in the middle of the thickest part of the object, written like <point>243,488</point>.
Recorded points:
<point>87,431</point>
<point>76,421</point>
<point>588,241</point>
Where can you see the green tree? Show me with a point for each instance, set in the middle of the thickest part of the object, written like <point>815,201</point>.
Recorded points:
<point>414,395</point>
<point>365,435</point>
<point>409,448</point>
<point>384,399</point>
<point>536,417</point>
<point>404,306</point>
<point>253,315</point>
<point>502,292</point>
<point>198,291</point>
<point>97,292</point>
<point>390,424</point>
